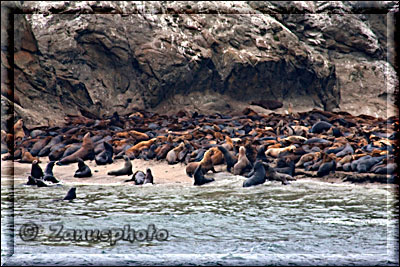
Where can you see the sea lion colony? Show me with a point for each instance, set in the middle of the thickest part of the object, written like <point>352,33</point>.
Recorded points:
<point>316,141</point>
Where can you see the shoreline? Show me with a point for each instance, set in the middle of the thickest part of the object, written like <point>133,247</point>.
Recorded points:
<point>163,173</point>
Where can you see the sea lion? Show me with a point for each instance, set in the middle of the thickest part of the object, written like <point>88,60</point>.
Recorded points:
<point>85,152</point>
<point>307,157</point>
<point>242,162</point>
<point>48,173</point>
<point>126,170</point>
<point>272,174</point>
<point>71,194</point>
<point>149,177</point>
<point>31,181</point>
<point>172,155</point>
<point>268,104</point>
<point>256,176</point>
<point>18,129</point>
<point>229,158</point>
<point>199,178</point>
<point>36,170</point>
<point>26,157</point>
<point>47,149</point>
<point>83,170</point>
<point>276,152</point>
<point>320,127</point>
<point>217,157</point>
<point>345,151</point>
<point>206,164</point>
<point>105,157</point>
<point>135,150</point>
<point>138,177</point>
<point>39,145</point>
<point>326,168</point>
<point>365,165</point>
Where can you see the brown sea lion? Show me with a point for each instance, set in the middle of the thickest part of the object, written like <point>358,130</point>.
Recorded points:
<point>275,152</point>
<point>85,152</point>
<point>217,157</point>
<point>172,155</point>
<point>135,150</point>
<point>18,129</point>
<point>242,162</point>
<point>27,157</point>
<point>206,164</point>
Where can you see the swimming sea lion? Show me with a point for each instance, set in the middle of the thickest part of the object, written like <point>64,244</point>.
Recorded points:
<point>85,152</point>
<point>257,175</point>
<point>199,178</point>
<point>126,170</point>
<point>83,170</point>
<point>71,194</point>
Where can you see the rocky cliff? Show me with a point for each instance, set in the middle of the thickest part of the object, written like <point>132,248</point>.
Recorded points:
<point>98,57</point>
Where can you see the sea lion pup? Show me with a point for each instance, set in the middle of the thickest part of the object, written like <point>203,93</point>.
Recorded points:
<point>172,155</point>
<point>206,164</point>
<point>36,170</point>
<point>83,170</point>
<point>199,178</point>
<point>256,176</point>
<point>228,145</point>
<point>320,127</point>
<point>149,177</point>
<point>48,173</point>
<point>229,158</point>
<point>308,157</point>
<point>105,157</point>
<point>272,174</point>
<point>276,152</point>
<point>18,129</point>
<point>85,152</point>
<point>242,163</point>
<point>71,194</point>
<point>126,170</point>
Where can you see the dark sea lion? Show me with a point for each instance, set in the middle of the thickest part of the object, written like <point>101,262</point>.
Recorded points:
<point>149,177</point>
<point>39,145</point>
<point>199,178</point>
<point>41,183</point>
<point>320,127</point>
<point>388,169</point>
<point>290,169</point>
<point>106,156</point>
<point>326,168</point>
<point>261,153</point>
<point>345,151</point>
<point>47,149</point>
<point>71,194</point>
<point>85,152</point>
<point>48,173</point>
<point>257,175</point>
<point>36,170</point>
<point>31,181</point>
<point>57,154</point>
<point>126,170</point>
<point>268,104</point>
<point>364,166</point>
<point>71,149</point>
<point>229,159</point>
<point>83,170</point>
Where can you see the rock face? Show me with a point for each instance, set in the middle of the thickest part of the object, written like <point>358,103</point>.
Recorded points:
<point>69,58</point>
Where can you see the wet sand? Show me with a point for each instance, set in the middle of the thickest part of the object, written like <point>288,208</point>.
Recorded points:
<point>163,173</point>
